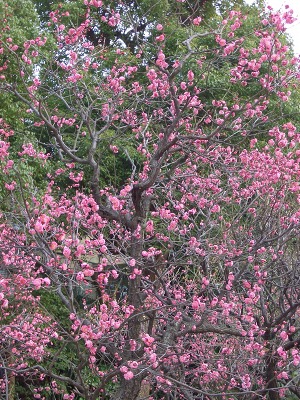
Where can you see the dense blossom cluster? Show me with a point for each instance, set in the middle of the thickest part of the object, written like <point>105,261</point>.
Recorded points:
<point>185,278</point>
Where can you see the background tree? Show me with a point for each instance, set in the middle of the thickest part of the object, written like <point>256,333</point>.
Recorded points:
<point>178,279</point>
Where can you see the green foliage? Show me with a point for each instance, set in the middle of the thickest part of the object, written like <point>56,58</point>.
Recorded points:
<point>18,25</point>
<point>28,173</point>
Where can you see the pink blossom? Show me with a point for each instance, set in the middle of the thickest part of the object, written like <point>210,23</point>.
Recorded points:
<point>53,245</point>
<point>215,208</point>
<point>132,262</point>
<point>5,303</point>
<point>39,227</point>
<point>66,251</point>
<point>115,202</point>
<point>80,250</point>
<point>147,339</point>
<point>21,280</point>
<point>80,276</point>
<point>282,353</point>
<point>114,20</point>
<point>133,364</point>
<point>283,375</point>
<point>197,20</point>
<point>161,60</point>
<point>114,149</point>
<point>284,335</point>
<point>128,375</point>
<point>96,3</point>
<point>190,75</point>
<point>10,186</point>
<point>172,226</point>
<point>47,281</point>
<point>88,272</point>
<point>160,38</point>
<point>205,281</point>
<point>37,282</point>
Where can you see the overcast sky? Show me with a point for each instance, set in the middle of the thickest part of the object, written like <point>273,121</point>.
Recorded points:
<point>294,29</point>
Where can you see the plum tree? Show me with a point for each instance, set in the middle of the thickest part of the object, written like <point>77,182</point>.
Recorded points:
<point>180,280</point>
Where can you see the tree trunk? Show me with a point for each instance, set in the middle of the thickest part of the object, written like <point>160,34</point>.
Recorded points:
<point>11,387</point>
<point>145,391</point>
<point>134,389</point>
<point>129,390</point>
<point>272,384</point>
